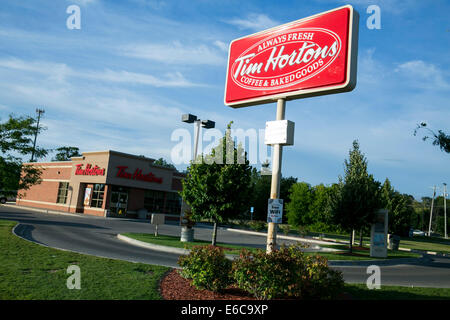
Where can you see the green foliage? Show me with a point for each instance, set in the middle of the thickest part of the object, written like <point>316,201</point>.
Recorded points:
<point>298,209</point>
<point>16,139</point>
<point>217,186</point>
<point>162,162</point>
<point>207,266</point>
<point>439,139</point>
<point>261,193</point>
<point>285,228</point>
<point>399,208</point>
<point>65,153</point>
<point>309,206</point>
<point>286,273</point>
<point>257,225</point>
<point>357,197</point>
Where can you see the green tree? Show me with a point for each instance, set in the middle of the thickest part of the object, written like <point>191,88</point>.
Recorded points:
<point>354,203</point>
<point>400,209</point>
<point>16,140</point>
<point>217,186</point>
<point>318,209</point>
<point>65,153</point>
<point>299,208</point>
<point>440,138</point>
<point>162,162</point>
<point>261,193</point>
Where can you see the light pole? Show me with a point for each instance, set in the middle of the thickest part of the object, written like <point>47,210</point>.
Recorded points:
<point>39,112</point>
<point>187,232</point>
<point>445,210</point>
<point>431,211</point>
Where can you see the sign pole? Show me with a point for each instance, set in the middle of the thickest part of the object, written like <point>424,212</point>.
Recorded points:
<point>276,178</point>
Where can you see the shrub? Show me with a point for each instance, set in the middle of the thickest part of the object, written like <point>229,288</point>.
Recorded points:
<point>321,282</point>
<point>285,228</point>
<point>285,273</point>
<point>257,225</point>
<point>207,266</point>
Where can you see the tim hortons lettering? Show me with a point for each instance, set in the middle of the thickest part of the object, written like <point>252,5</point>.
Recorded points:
<point>285,60</point>
<point>308,57</point>
<point>137,175</point>
<point>89,170</point>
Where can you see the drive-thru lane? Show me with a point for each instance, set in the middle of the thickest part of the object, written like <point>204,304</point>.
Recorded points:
<point>98,236</point>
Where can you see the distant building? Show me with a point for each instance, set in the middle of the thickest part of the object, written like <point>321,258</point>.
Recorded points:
<point>106,183</point>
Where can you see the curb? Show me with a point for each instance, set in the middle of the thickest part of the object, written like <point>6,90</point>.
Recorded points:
<point>400,249</point>
<point>366,263</point>
<point>279,236</point>
<point>151,246</point>
<point>331,263</point>
<point>161,248</point>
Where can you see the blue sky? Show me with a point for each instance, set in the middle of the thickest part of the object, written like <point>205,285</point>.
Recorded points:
<point>123,80</point>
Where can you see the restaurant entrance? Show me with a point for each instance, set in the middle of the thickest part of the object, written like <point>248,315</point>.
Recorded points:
<point>118,203</point>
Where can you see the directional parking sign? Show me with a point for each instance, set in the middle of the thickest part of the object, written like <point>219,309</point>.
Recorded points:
<point>275,210</point>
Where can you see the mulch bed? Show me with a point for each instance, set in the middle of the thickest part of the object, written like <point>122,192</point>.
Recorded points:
<point>175,287</point>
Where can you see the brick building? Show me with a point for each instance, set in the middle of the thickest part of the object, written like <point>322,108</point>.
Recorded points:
<point>106,183</point>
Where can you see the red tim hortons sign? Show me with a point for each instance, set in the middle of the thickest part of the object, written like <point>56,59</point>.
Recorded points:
<point>308,57</point>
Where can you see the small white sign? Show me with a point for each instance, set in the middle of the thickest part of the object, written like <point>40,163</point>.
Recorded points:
<point>275,210</point>
<point>279,132</point>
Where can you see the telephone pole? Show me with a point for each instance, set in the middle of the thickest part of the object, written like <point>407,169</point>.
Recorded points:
<point>431,212</point>
<point>39,112</point>
<point>445,210</point>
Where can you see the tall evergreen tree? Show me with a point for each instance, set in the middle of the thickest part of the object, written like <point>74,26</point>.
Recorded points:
<point>355,202</point>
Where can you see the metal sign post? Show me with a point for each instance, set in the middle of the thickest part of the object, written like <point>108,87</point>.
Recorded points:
<point>276,178</point>
<point>309,57</point>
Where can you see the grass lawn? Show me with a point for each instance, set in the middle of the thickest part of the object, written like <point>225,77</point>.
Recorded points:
<point>360,291</point>
<point>427,244</point>
<point>30,271</point>
<point>173,241</point>
<point>440,245</point>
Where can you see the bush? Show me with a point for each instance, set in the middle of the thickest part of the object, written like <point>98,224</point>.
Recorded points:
<point>207,266</point>
<point>285,228</point>
<point>322,282</point>
<point>285,273</point>
<point>257,225</point>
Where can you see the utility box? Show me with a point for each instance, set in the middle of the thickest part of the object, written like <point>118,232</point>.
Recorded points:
<point>279,132</point>
<point>378,235</point>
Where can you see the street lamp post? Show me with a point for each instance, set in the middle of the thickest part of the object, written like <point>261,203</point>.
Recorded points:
<point>445,210</point>
<point>187,233</point>
<point>39,112</point>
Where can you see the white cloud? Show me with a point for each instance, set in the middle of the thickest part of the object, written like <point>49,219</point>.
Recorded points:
<point>174,53</point>
<point>221,45</point>
<point>254,21</point>
<point>59,72</point>
<point>422,74</point>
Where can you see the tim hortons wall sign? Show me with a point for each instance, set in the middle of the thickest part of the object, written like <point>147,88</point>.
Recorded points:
<point>137,175</point>
<point>312,56</point>
<point>89,170</point>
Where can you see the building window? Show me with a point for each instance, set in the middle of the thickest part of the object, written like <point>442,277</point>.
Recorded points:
<point>98,195</point>
<point>62,192</point>
<point>154,201</point>
<point>173,203</point>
